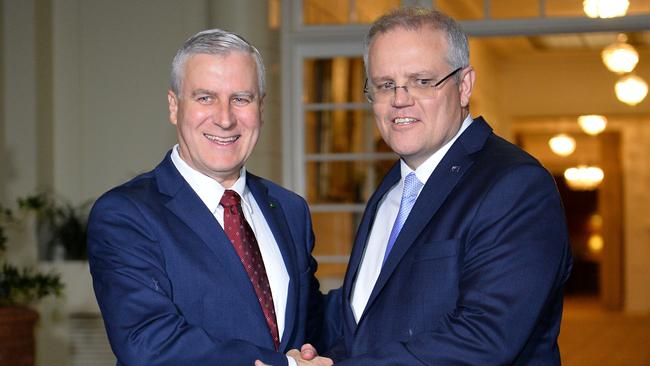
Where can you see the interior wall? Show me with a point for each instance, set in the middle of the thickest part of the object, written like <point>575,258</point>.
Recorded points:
<point>636,172</point>
<point>564,83</point>
<point>19,158</point>
<point>111,75</point>
<point>486,96</point>
<point>2,103</point>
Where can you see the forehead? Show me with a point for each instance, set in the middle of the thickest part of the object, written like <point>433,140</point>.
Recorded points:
<point>233,68</point>
<point>399,49</point>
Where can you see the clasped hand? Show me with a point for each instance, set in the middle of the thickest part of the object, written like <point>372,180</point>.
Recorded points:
<point>305,357</point>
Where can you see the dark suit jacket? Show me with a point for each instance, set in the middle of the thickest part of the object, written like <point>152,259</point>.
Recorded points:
<point>476,274</point>
<point>172,289</point>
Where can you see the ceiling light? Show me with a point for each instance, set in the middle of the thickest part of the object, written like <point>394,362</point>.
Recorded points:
<point>592,124</point>
<point>583,177</point>
<point>605,8</point>
<point>620,57</point>
<point>562,144</point>
<point>595,243</point>
<point>631,89</point>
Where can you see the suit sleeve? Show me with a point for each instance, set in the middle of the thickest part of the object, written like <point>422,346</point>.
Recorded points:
<point>134,294</point>
<point>515,260</point>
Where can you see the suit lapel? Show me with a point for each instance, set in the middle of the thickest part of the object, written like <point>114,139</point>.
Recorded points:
<point>188,207</point>
<point>276,219</point>
<point>442,181</point>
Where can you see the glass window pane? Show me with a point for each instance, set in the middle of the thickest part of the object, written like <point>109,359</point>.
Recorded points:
<point>334,233</point>
<point>514,9</point>
<point>564,8</point>
<point>325,12</point>
<point>318,12</point>
<point>342,131</point>
<point>334,80</point>
<point>367,11</point>
<point>574,8</point>
<point>344,181</point>
<point>461,10</point>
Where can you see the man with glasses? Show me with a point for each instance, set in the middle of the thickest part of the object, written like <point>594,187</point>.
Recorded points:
<point>462,251</point>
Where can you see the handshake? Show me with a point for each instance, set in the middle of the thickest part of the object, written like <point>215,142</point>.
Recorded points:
<point>305,357</point>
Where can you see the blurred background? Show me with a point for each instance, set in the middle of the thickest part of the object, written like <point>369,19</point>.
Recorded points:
<point>83,108</point>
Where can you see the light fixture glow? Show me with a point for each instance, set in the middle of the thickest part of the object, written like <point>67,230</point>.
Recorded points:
<point>595,243</point>
<point>631,89</point>
<point>562,144</point>
<point>605,8</point>
<point>583,177</point>
<point>620,57</point>
<point>592,124</point>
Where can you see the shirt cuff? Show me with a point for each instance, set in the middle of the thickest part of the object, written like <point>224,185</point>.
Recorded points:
<point>292,362</point>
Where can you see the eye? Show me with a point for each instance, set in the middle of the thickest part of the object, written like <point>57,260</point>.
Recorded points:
<point>385,86</point>
<point>422,83</point>
<point>205,99</point>
<point>241,100</point>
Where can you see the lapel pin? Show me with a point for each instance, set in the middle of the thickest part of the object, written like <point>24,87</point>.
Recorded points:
<point>271,204</point>
<point>455,169</point>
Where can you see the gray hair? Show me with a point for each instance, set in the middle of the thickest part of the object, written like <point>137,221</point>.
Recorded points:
<point>214,42</point>
<point>412,18</point>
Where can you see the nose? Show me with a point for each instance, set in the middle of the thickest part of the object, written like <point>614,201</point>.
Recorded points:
<point>222,115</point>
<point>402,97</point>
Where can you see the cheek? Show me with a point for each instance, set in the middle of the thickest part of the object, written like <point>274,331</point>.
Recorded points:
<point>251,120</point>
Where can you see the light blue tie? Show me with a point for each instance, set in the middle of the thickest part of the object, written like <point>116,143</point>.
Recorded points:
<point>412,187</point>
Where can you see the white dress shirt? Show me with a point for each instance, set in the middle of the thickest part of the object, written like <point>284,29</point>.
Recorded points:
<point>210,192</point>
<point>373,255</point>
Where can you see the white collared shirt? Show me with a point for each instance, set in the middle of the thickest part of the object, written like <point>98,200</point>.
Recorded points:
<point>210,192</point>
<point>373,255</point>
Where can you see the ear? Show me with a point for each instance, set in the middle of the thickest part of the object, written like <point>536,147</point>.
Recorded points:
<point>172,100</point>
<point>466,85</point>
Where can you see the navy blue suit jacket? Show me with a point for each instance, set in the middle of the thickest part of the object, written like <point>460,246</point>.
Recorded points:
<point>170,286</point>
<point>476,274</point>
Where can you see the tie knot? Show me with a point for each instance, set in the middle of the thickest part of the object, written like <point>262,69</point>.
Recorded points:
<point>412,185</point>
<point>230,198</point>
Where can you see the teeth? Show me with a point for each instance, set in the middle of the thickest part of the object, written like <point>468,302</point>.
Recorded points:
<point>221,140</point>
<point>400,120</point>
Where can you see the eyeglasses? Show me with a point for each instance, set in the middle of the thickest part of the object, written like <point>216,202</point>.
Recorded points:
<point>418,88</point>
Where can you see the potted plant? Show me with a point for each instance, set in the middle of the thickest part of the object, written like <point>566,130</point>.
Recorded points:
<point>61,226</point>
<point>20,287</point>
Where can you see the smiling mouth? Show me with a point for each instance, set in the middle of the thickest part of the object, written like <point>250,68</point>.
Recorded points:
<point>403,120</point>
<point>221,140</point>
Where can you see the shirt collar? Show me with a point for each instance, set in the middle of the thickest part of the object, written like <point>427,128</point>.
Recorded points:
<point>208,189</point>
<point>424,171</point>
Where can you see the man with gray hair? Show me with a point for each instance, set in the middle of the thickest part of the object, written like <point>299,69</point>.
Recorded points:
<point>463,250</point>
<point>199,262</point>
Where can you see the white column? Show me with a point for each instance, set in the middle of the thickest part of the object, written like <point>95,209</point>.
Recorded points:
<point>249,19</point>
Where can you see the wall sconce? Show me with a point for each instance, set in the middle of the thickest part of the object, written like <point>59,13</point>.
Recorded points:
<point>592,124</point>
<point>631,89</point>
<point>605,8</point>
<point>620,57</point>
<point>562,144</point>
<point>583,177</point>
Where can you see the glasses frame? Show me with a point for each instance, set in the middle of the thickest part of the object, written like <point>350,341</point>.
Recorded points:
<point>366,90</point>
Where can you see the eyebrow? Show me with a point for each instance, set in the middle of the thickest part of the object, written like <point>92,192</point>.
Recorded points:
<point>202,92</point>
<point>245,94</point>
<point>414,75</point>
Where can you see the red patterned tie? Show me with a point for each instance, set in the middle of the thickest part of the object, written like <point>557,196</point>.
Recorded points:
<point>243,240</point>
